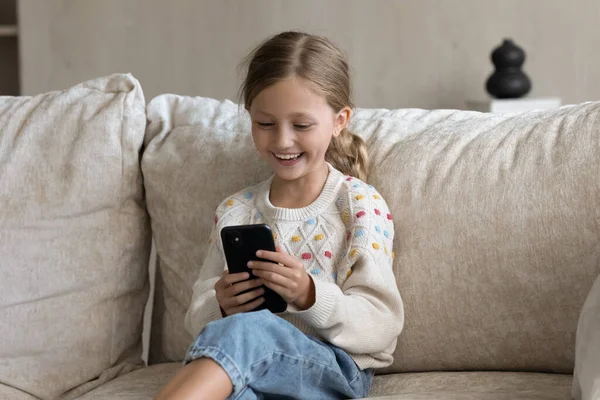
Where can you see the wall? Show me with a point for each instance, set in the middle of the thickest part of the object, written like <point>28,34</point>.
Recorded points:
<point>413,53</point>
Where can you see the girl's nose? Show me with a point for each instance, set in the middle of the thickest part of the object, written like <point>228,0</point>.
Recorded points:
<point>284,138</point>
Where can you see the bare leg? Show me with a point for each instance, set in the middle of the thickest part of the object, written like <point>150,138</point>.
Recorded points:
<point>199,380</point>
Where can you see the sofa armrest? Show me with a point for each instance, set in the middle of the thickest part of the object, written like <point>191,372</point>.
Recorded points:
<point>586,380</point>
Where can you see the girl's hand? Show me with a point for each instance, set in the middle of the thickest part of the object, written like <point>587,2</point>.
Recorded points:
<point>228,290</point>
<point>285,275</point>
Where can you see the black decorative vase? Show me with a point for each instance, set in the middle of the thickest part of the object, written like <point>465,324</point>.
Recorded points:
<point>508,80</point>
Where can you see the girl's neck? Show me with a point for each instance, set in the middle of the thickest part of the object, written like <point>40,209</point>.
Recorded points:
<point>301,192</point>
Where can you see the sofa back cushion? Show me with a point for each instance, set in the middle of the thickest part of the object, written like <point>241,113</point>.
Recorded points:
<point>496,221</point>
<point>197,152</point>
<point>74,237</point>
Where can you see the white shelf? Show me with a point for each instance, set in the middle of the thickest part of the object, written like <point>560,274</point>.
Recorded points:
<point>502,106</point>
<point>8,30</point>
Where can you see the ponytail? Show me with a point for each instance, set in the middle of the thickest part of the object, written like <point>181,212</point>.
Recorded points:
<point>347,152</point>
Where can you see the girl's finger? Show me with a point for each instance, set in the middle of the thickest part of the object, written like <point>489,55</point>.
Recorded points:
<point>242,299</point>
<point>271,267</point>
<point>230,279</point>
<point>280,258</point>
<point>272,277</point>
<point>281,290</point>
<point>246,307</point>
<point>243,286</point>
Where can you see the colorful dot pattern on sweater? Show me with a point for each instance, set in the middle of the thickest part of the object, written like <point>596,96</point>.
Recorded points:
<point>372,226</point>
<point>345,216</point>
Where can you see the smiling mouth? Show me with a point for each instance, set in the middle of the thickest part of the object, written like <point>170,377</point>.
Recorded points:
<point>287,157</point>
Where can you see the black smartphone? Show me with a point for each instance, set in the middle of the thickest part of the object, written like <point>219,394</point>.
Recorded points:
<point>240,244</point>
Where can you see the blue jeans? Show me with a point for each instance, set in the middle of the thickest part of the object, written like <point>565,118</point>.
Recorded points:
<point>267,357</point>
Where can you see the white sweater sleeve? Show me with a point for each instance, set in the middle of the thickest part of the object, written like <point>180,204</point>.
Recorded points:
<point>204,307</point>
<point>364,313</point>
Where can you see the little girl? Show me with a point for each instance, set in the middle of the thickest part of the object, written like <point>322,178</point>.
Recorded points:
<point>333,264</point>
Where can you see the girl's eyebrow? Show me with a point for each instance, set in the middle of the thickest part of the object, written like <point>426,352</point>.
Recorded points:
<point>294,115</point>
<point>302,115</point>
<point>266,114</point>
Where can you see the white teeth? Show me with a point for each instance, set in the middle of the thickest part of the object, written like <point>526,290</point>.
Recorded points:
<point>287,156</point>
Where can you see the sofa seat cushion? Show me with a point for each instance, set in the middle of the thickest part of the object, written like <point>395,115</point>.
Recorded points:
<point>472,385</point>
<point>144,384</point>
<point>7,392</point>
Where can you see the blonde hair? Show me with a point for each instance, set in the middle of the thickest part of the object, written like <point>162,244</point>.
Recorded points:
<point>317,60</point>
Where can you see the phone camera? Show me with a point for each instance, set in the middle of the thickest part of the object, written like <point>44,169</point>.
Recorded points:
<point>233,238</point>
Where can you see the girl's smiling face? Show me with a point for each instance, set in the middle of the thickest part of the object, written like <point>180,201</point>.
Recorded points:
<point>292,126</point>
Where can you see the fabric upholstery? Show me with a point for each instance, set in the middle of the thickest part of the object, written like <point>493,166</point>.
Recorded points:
<point>8,393</point>
<point>144,384</point>
<point>472,385</point>
<point>196,154</point>
<point>586,384</point>
<point>496,249</point>
<point>74,237</point>
<point>496,244</point>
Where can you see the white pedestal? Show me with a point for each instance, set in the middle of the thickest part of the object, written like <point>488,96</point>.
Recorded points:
<point>503,106</point>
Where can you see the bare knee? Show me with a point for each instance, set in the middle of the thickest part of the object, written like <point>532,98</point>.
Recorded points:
<point>200,379</point>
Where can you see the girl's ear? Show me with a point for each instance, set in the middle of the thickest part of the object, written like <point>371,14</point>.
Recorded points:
<point>341,120</point>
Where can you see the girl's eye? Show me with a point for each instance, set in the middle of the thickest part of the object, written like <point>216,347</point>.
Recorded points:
<point>302,127</point>
<point>266,124</point>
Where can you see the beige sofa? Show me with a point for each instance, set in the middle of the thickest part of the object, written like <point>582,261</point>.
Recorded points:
<point>497,241</point>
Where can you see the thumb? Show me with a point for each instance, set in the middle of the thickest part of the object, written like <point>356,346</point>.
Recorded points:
<point>279,249</point>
